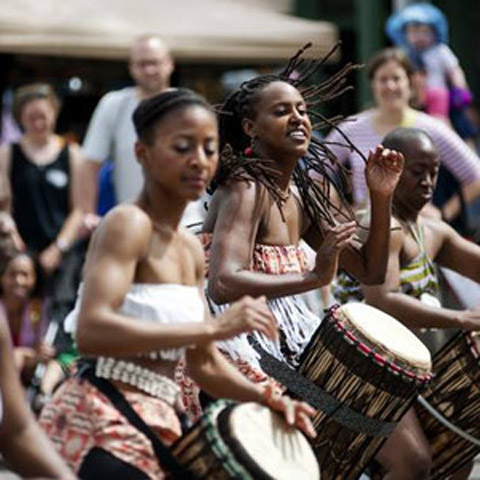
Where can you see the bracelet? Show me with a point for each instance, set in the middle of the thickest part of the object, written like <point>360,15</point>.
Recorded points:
<point>62,245</point>
<point>271,392</point>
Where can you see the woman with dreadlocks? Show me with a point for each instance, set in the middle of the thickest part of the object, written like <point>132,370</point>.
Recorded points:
<point>265,202</point>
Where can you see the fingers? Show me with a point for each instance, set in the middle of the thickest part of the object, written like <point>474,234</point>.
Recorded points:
<point>339,236</point>
<point>252,314</point>
<point>304,423</point>
<point>296,414</point>
<point>386,157</point>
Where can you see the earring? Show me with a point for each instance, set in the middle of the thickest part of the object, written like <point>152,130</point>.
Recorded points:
<point>250,150</point>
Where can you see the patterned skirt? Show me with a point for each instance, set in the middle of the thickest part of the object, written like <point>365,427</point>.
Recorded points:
<point>79,418</point>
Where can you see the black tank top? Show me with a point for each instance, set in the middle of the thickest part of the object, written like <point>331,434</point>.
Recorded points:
<point>40,197</point>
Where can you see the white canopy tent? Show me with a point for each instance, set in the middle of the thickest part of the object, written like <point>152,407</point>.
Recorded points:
<point>197,30</point>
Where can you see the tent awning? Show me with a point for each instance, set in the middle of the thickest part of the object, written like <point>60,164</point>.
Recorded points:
<point>197,30</point>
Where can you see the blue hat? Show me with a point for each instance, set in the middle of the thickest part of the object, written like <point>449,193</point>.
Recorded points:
<point>416,13</point>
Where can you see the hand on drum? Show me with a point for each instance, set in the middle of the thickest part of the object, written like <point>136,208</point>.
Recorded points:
<point>296,413</point>
<point>246,315</point>
<point>383,171</point>
<point>334,241</point>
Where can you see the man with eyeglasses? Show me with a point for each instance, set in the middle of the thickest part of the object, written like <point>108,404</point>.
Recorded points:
<point>111,133</point>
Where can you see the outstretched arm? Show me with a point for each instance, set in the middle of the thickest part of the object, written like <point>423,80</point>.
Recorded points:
<point>409,310</point>
<point>23,444</point>
<point>457,253</point>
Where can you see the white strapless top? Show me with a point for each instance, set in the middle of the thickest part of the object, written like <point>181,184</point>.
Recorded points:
<point>166,303</point>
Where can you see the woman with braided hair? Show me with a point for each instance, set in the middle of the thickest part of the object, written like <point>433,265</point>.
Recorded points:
<point>265,202</point>
<point>140,311</point>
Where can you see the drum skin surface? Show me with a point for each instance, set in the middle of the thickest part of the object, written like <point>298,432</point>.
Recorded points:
<point>245,442</point>
<point>282,451</point>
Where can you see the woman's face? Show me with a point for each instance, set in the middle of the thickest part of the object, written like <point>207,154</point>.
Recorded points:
<point>391,86</point>
<point>281,126</point>
<point>18,280</point>
<point>183,156</point>
<point>38,117</point>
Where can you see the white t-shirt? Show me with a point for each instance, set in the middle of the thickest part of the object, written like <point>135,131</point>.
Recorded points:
<point>111,134</point>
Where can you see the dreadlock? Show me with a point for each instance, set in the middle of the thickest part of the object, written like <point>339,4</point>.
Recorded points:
<point>150,111</point>
<point>234,164</point>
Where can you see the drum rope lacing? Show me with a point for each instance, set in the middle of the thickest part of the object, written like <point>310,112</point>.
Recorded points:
<point>369,352</point>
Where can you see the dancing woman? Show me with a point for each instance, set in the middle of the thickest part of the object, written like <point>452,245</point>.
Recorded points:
<point>265,202</point>
<point>141,309</point>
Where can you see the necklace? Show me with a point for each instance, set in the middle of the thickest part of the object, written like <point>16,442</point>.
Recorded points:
<point>284,196</point>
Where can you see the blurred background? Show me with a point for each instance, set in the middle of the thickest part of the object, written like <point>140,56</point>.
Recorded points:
<point>81,46</point>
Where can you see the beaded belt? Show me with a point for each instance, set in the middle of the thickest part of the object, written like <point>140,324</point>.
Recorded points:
<point>146,380</point>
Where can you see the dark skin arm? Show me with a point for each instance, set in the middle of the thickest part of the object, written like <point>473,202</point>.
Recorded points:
<point>23,444</point>
<point>240,209</point>
<point>409,310</point>
<point>119,244</point>
<point>368,262</point>
<point>220,379</point>
<point>457,253</point>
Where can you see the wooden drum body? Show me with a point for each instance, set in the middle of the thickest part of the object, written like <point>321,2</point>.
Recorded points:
<point>455,395</point>
<point>370,368</point>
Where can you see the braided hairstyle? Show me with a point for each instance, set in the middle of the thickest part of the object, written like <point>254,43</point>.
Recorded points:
<point>152,110</point>
<point>234,164</point>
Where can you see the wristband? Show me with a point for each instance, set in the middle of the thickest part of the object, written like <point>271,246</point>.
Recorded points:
<point>271,393</point>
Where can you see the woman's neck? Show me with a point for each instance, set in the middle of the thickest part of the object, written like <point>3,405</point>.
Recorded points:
<point>388,119</point>
<point>285,165</point>
<point>154,202</point>
<point>38,141</point>
<point>404,214</point>
<point>14,309</point>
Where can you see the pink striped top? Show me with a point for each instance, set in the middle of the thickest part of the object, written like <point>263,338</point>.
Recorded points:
<point>455,155</point>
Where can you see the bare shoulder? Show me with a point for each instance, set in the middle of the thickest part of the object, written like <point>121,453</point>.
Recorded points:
<point>235,200</point>
<point>125,227</point>
<point>239,190</point>
<point>397,235</point>
<point>75,150</point>
<point>437,227</point>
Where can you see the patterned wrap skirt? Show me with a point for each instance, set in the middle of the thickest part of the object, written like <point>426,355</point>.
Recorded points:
<point>80,417</point>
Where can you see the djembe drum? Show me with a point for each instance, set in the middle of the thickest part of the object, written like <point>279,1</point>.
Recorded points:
<point>245,441</point>
<point>449,410</point>
<point>369,369</point>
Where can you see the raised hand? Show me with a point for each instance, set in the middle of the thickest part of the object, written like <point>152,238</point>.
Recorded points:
<point>246,315</point>
<point>334,241</point>
<point>383,171</point>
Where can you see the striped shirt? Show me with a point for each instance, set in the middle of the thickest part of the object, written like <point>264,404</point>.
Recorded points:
<point>455,155</point>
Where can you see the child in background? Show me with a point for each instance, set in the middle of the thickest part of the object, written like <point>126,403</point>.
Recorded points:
<point>25,314</point>
<point>422,30</point>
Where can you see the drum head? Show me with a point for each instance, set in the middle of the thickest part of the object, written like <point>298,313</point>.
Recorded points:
<point>386,334</point>
<point>261,438</point>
